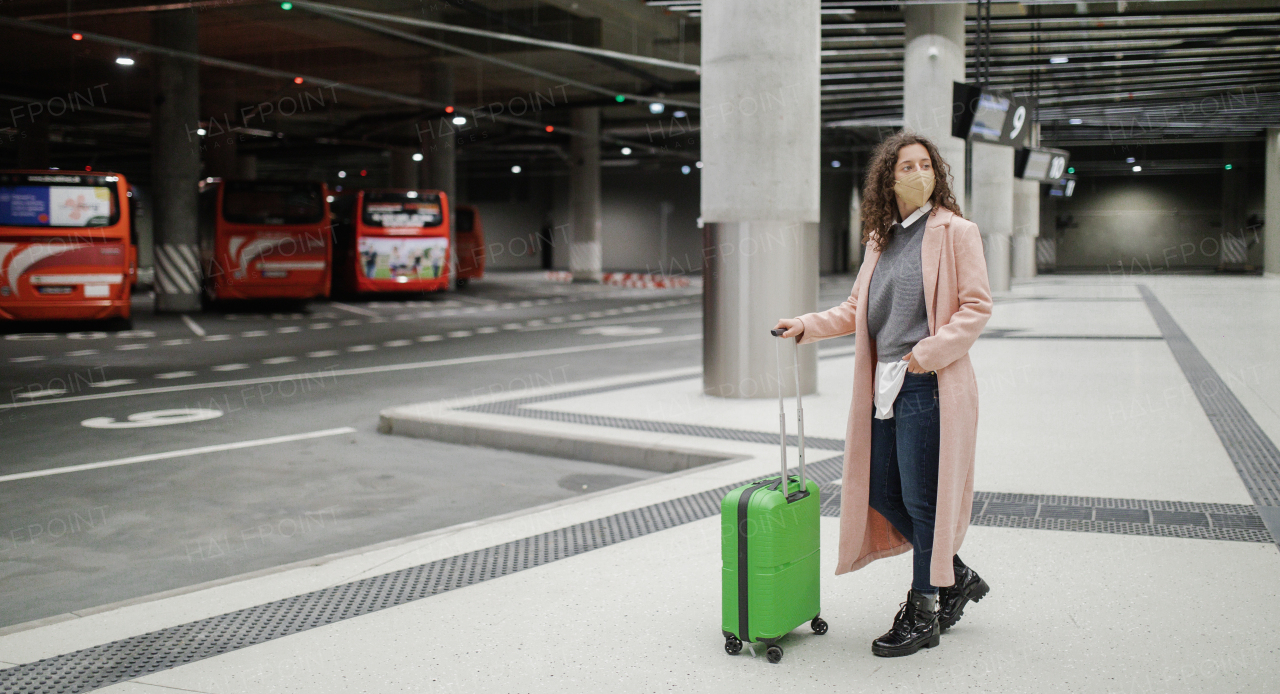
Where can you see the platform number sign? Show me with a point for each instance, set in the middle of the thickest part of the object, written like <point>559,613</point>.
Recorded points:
<point>1057,166</point>
<point>990,115</point>
<point>1019,118</point>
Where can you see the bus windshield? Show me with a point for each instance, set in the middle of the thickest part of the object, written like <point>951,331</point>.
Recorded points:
<point>411,209</point>
<point>466,220</point>
<point>58,200</point>
<point>259,202</point>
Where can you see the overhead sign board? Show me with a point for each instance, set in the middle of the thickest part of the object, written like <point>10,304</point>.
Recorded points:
<point>1040,163</point>
<point>989,115</point>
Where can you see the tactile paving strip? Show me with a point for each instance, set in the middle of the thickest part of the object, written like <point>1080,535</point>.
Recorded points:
<point>138,656</point>
<point>1185,519</point>
<point>1251,450</point>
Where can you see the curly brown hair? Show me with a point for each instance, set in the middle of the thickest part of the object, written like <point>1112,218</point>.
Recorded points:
<point>880,204</point>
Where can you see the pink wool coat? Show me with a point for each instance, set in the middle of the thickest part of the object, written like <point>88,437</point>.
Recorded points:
<point>958,302</point>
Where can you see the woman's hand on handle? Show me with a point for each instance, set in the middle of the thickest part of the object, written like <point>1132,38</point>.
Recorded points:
<point>793,327</point>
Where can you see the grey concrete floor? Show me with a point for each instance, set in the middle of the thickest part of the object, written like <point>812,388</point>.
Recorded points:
<point>82,539</point>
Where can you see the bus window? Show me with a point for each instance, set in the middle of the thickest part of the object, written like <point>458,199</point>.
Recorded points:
<point>466,217</point>
<point>255,202</point>
<point>386,209</point>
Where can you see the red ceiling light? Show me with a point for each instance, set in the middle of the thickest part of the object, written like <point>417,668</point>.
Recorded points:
<point>297,80</point>
<point>88,168</point>
<point>364,172</point>
<point>77,36</point>
<point>448,109</point>
<point>551,128</point>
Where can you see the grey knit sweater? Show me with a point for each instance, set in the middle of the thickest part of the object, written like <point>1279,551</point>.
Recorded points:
<point>896,314</point>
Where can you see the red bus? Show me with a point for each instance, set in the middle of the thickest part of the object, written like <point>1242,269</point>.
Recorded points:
<point>264,240</point>
<point>391,240</point>
<point>470,237</point>
<point>66,246</point>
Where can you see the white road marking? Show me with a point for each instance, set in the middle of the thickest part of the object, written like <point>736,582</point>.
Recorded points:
<point>320,354</point>
<point>365,370</point>
<point>279,360</point>
<point>430,338</point>
<point>362,348</point>
<point>619,330</point>
<point>113,383</point>
<point>230,367</point>
<point>176,374</point>
<point>321,326</point>
<point>288,329</point>
<point>82,353</point>
<point>21,360</point>
<point>459,333</point>
<point>254,333</point>
<point>132,346</point>
<point>155,418</point>
<point>31,337</point>
<point>486,330</point>
<point>512,326</point>
<point>138,334</point>
<point>620,321</point>
<point>42,393</point>
<point>217,338</point>
<point>87,335</point>
<point>397,343</point>
<point>179,341</point>
<point>195,327</point>
<point>353,309</point>
<point>179,453</point>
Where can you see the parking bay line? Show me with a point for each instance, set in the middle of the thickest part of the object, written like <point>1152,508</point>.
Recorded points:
<point>328,373</point>
<point>179,453</point>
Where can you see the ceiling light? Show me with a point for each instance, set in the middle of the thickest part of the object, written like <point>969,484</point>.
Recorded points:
<point>459,120</point>
<point>619,98</point>
<point>1058,59</point>
<point>699,165</point>
<point>550,128</point>
<point>342,174</point>
<point>412,193</point>
<point>417,156</point>
<point>1136,169</point>
<point>297,80</point>
<point>657,107</point>
<point>679,114</point>
<point>122,60</point>
<point>515,169</point>
<point>364,172</point>
<point>1130,160</point>
<point>201,132</point>
<point>626,151</point>
<point>330,198</point>
<point>1076,121</point>
<point>77,36</point>
<point>286,6</point>
<point>1228,167</point>
<point>835,164</point>
<point>685,169</point>
<point>448,109</point>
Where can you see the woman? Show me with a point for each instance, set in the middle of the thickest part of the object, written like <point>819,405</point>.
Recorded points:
<point>919,303</point>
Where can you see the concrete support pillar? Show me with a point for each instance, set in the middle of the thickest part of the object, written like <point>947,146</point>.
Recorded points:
<point>855,226</point>
<point>993,208</point>
<point>585,259</point>
<point>175,162</point>
<point>439,163</point>
<point>219,144</point>
<point>1271,211</point>
<point>933,61</point>
<point>760,101</point>
<point>404,170</point>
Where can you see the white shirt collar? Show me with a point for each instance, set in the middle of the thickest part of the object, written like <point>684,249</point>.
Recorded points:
<point>920,211</point>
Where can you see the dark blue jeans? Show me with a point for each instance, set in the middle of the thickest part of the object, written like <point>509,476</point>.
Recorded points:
<point>904,469</point>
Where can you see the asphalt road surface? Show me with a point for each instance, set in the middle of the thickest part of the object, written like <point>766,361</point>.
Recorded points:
<point>283,402</point>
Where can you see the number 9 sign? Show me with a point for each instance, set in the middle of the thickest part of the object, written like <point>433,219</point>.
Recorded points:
<point>1019,117</point>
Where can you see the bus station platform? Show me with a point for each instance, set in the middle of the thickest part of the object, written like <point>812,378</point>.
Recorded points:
<point>1126,517</point>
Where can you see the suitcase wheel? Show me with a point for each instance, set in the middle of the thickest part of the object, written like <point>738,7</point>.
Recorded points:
<point>732,645</point>
<point>819,626</point>
<point>774,653</point>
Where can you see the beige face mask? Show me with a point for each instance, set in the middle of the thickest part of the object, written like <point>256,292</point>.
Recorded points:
<point>914,188</point>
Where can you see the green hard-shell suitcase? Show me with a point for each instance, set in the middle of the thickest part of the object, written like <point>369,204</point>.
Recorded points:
<point>769,550</point>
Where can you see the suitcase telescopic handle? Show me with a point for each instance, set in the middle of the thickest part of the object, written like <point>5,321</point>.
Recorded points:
<point>782,414</point>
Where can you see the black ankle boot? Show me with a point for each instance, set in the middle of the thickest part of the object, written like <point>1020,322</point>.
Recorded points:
<point>952,599</point>
<point>914,628</point>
